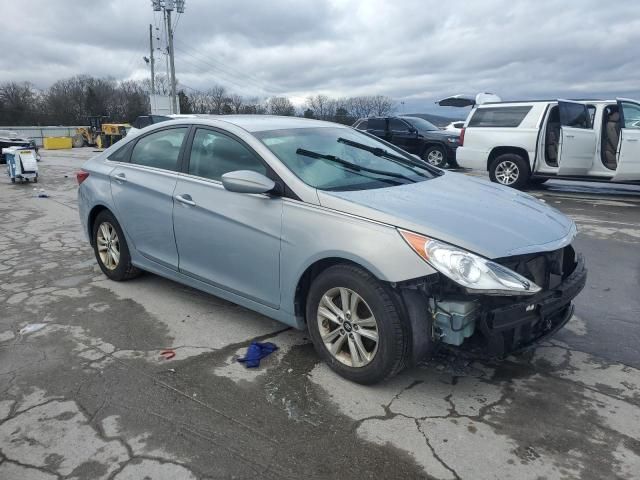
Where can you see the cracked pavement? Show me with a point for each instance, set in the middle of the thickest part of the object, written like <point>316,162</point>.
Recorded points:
<point>89,397</point>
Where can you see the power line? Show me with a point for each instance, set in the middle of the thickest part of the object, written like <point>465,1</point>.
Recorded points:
<point>229,71</point>
<point>205,70</point>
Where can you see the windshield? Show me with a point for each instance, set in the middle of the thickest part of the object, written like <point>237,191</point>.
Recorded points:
<point>322,158</point>
<point>420,123</point>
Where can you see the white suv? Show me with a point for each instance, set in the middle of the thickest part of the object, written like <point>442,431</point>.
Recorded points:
<point>533,141</point>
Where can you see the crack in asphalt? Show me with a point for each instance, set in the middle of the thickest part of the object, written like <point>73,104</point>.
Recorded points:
<point>433,451</point>
<point>35,467</point>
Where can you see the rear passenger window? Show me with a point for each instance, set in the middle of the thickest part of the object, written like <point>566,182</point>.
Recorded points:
<point>499,116</point>
<point>160,149</point>
<point>376,124</point>
<point>362,125</point>
<point>213,154</point>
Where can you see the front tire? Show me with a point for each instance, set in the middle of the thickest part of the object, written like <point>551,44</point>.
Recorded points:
<point>510,170</point>
<point>355,325</point>
<point>111,249</point>
<point>436,156</point>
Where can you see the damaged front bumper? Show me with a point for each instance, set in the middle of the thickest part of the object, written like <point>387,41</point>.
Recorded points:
<point>519,326</point>
<point>490,326</point>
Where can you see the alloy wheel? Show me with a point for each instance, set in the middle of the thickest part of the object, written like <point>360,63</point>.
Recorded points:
<point>347,327</point>
<point>108,245</point>
<point>435,158</point>
<point>507,172</point>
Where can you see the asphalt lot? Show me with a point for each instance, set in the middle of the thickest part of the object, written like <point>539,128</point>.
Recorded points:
<point>89,396</point>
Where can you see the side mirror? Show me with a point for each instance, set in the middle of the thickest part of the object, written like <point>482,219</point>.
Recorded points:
<point>246,181</point>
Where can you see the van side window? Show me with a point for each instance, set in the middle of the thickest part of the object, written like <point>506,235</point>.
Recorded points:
<point>574,115</point>
<point>160,149</point>
<point>499,116</point>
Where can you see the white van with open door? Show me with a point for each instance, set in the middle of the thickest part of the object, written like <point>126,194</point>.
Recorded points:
<point>529,142</point>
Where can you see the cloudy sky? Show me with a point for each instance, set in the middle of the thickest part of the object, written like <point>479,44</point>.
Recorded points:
<point>415,51</point>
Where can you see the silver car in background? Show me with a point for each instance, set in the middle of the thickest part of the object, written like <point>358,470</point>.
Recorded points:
<point>322,227</point>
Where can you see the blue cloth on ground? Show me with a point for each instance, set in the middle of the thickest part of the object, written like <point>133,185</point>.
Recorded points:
<point>256,352</point>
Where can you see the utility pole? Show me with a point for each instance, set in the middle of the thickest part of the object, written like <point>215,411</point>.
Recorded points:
<point>174,104</point>
<point>152,61</point>
<point>167,6</point>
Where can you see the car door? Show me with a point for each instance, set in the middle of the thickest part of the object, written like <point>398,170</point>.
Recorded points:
<point>230,240</point>
<point>628,168</point>
<point>403,135</point>
<point>378,127</point>
<point>577,139</point>
<point>142,191</point>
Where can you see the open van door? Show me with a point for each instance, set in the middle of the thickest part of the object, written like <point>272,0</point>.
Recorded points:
<point>577,139</point>
<point>629,147</point>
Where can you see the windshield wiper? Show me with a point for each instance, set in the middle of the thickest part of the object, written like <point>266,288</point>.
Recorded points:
<point>380,152</point>
<point>351,166</point>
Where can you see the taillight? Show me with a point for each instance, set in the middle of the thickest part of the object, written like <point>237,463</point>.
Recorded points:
<point>81,176</point>
<point>461,141</point>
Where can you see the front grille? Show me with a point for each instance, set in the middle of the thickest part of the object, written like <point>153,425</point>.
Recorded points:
<point>545,269</point>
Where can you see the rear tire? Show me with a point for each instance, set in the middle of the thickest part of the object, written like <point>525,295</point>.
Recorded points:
<point>111,249</point>
<point>351,333</point>
<point>510,170</point>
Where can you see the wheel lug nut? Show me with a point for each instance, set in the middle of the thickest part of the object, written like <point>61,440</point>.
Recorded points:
<point>351,335</point>
<point>341,332</point>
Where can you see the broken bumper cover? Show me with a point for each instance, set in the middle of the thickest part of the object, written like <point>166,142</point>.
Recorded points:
<point>519,326</point>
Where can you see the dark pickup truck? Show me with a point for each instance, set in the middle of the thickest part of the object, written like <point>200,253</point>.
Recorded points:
<point>414,135</point>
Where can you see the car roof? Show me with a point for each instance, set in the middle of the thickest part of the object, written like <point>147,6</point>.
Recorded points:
<point>526,102</point>
<point>260,123</point>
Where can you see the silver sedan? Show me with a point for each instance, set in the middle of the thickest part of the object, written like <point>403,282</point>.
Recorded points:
<point>383,258</point>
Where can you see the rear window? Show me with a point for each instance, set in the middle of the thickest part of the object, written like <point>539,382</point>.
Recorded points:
<point>499,116</point>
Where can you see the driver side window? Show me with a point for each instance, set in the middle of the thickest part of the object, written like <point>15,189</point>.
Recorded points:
<point>398,126</point>
<point>631,115</point>
<point>213,154</point>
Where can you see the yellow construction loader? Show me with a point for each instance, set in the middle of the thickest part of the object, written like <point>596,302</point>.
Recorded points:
<point>99,133</point>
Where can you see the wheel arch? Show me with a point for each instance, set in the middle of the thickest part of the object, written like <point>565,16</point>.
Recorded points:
<point>433,143</point>
<point>95,211</point>
<point>497,151</point>
<point>409,301</point>
<point>312,271</point>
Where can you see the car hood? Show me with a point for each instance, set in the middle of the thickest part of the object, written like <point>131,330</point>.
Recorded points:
<point>488,219</point>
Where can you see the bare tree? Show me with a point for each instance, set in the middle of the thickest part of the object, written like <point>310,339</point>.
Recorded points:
<point>280,106</point>
<point>237,102</point>
<point>382,105</point>
<point>323,107</point>
<point>18,103</point>
<point>218,96</point>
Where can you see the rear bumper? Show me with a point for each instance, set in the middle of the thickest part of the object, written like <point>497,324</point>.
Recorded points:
<point>522,325</point>
<point>470,158</point>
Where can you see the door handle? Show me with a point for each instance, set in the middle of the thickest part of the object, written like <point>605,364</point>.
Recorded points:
<point>120,177</point>
<point>186,199</point>
<point>632,139</point>
<point>571,136</point>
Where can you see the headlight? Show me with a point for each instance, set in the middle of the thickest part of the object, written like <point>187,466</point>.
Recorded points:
<point>452,139</point>
<point>469,270</point>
